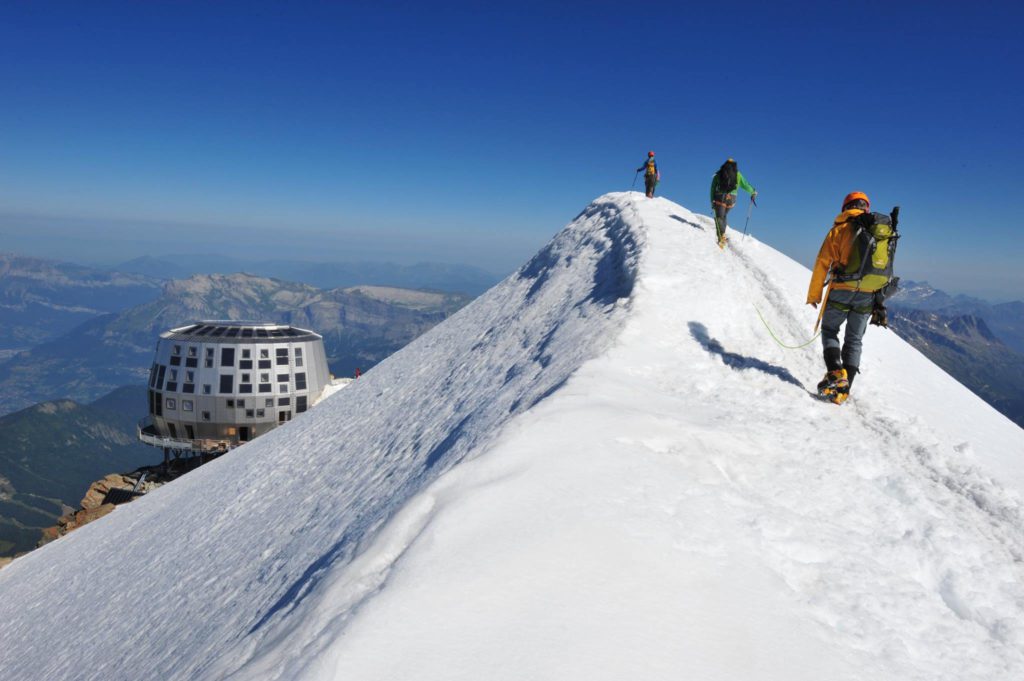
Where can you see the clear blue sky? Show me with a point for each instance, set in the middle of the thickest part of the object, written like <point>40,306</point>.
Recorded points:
<point>473,132</point>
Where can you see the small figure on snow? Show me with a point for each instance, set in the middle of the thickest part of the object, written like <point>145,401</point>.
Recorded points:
<point>651,175</point>
<point>857,257</point>
<point>725,184</point>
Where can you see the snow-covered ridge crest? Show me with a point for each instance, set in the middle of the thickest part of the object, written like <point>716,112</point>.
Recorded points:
<point>188,581</point>
<point>602,469</point>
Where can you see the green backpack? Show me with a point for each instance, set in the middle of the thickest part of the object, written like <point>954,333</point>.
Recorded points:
<point>873,250</point>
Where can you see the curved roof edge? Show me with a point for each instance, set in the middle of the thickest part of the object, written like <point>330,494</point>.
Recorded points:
<point>231,331</point>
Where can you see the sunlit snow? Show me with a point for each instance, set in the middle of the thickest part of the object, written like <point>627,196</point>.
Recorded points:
<point>603,468</point>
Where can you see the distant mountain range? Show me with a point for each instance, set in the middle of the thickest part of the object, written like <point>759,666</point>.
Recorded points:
<point>464,279</point>
<point>975,342</point>
<point>1006,320</point>
<point>42,299</point>
<point>360,326</point>
<point>51,452</point>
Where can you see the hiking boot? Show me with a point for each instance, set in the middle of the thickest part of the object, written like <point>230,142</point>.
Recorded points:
<point>835,387</point>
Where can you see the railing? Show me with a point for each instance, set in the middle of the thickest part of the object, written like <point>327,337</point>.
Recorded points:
<point>146,432</point>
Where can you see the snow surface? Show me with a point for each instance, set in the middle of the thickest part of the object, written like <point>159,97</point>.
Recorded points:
<point>603,468</point>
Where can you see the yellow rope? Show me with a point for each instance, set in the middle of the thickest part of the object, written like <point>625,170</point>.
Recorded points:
<point>781,344</point>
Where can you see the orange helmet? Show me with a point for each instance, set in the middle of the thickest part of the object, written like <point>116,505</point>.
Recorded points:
<point>856,196</point>
<point>650,153</point>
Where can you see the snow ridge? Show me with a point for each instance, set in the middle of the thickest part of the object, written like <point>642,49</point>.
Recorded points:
<point>683,507</point>
<point>603,468</point>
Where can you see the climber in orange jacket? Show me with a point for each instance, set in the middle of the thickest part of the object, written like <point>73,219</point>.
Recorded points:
<point>856,277</point>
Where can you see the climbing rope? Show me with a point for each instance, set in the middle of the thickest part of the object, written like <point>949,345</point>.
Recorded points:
<point>776,338</point>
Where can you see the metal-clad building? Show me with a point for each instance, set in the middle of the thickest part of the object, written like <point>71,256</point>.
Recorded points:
<point>216,384</point>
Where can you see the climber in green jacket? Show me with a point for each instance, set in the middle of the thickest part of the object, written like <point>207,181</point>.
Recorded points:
<point>724,186</point>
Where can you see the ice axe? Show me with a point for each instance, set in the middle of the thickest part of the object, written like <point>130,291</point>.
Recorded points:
<point>633,186</point>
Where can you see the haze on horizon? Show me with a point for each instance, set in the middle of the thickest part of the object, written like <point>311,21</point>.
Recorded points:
<point>466,135</point>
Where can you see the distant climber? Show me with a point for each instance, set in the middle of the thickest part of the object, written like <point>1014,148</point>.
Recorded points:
<point>857,256</point>
<point>724,186</point>
<point>651,174</point>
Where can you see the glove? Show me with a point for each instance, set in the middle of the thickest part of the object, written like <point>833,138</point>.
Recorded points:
<point>880,316</point>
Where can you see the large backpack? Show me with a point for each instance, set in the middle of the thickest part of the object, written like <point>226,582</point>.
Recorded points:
<point>872,253</point>
<point>727,178</point>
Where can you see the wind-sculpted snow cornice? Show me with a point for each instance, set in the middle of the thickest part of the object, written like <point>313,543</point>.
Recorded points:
<point>609,225</point>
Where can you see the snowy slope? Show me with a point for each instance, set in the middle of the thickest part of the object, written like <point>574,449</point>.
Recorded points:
<point>604,468</point>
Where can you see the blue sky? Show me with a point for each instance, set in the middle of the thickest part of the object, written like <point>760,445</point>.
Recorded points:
<point>472,133</point>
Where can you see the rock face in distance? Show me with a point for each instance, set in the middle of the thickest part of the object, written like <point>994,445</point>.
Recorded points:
<point>361,326</point>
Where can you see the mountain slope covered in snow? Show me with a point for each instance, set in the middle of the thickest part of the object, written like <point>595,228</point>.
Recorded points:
<point>603,468</point>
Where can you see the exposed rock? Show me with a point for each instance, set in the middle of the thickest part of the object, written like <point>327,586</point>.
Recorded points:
<point>98,490</point>
<point>96,504</point>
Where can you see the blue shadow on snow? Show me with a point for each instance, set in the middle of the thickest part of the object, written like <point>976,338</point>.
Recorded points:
<point>737,361</point>
<point>687,222</point>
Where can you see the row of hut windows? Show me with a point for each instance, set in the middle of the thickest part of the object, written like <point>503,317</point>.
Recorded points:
<point>227,382</point>
<point>301,404</point>
<point>227,357</point>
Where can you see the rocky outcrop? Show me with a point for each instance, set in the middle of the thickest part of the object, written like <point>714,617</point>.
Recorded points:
<point>98,502</point>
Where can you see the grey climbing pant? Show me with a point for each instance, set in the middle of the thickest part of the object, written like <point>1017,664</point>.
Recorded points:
<point>853,308</point>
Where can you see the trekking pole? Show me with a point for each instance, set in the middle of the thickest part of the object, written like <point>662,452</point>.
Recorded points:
<point>633,186</point>
<point>750,209</point>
